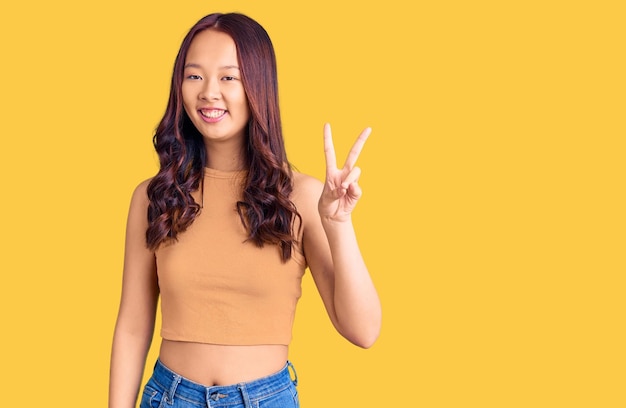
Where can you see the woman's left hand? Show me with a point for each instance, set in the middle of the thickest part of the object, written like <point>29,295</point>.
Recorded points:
<point>341,189</point>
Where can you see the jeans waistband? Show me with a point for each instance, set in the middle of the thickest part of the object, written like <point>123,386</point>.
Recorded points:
<point>177,386</point>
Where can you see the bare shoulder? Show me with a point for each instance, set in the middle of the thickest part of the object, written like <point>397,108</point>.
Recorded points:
<point>306,194</point>
<point>306,189</point>
<point>137,223</point>
<point>139,202</point>
<point>140,194</point>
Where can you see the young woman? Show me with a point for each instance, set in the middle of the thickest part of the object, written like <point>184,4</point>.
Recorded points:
<point>224,232</point>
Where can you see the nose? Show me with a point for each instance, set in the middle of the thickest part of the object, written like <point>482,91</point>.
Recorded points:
<point>210,90</point>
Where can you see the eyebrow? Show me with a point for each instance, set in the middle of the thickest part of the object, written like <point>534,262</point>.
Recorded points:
<point>192,65</point>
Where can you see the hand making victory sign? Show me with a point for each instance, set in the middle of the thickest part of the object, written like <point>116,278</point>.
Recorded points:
<point>335,259</point>
<point>341,189</point>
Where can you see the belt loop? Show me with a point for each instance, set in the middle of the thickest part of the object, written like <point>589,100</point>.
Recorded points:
<point>169,397</point>
<point>295,374</point>
<point>244,394</point>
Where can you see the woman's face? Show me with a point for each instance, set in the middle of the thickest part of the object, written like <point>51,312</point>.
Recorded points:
<point>213,94</point>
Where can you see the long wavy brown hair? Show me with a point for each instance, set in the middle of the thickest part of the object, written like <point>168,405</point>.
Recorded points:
<point>266,209</point>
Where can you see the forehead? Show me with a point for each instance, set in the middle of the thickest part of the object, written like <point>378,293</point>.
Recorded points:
<point>212,46</point>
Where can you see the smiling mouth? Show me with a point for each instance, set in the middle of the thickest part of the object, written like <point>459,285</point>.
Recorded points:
<point>213,113</point>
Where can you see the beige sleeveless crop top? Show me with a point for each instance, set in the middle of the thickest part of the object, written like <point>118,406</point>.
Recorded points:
<point>216,288</point>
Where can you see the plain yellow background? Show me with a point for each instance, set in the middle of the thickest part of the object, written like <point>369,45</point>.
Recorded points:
<point>493,211</point>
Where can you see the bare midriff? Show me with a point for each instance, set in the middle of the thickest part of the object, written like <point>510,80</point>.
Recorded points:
<point>213,364</point>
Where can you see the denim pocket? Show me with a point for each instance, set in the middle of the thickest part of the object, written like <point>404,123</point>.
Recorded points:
<point>151,398</point>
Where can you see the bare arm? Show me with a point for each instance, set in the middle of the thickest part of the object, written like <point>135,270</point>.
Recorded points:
<point>332,250</point>
<point>135,320</point>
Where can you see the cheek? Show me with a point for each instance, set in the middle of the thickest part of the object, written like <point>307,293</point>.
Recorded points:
<point>186,94</point>
<point>243,102</point>
<point>188,106</point>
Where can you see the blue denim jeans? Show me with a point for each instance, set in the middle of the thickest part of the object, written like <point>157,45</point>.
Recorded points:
<point>166,389</point>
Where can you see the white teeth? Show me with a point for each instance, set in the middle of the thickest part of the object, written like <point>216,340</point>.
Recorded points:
<point>212,113</point>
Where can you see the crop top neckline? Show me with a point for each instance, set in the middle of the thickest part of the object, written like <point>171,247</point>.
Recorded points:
<point>223,174</point>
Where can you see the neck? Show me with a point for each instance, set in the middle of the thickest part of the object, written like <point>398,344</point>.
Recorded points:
<point>225,158</point>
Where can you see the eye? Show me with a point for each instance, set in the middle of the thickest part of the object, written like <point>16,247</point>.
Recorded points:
<point>194,77</point>
<point>229,78</point>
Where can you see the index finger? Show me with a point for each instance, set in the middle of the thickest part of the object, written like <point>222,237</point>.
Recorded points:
<point>356,148</point>
<point>329,149</point>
